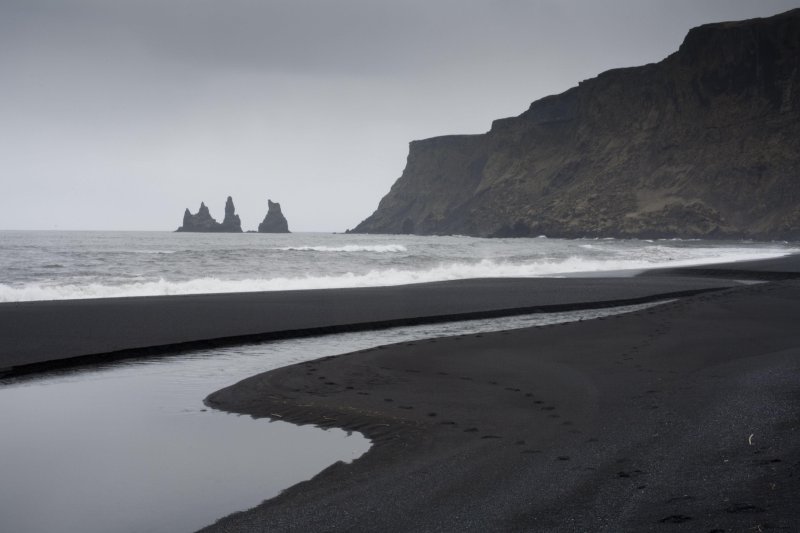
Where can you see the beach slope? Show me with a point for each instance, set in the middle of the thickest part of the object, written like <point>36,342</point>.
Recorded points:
<point>682,417</point>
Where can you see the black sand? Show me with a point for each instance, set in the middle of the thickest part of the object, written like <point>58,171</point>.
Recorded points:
<point>42,335</point>
<point>764,269</point>
<point>683,417</point>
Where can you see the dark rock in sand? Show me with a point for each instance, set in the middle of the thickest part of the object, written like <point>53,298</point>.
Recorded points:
<point>274,222</point>
<point>705,143</point>
<point>203,222</point>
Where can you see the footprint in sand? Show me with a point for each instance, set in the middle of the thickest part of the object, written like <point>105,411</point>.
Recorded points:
<point>632,473</point>
<point>675,519</point>
<point>744,508</point>
<point>684,498</point>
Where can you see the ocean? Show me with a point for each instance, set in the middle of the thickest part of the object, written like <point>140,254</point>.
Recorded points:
<point>52,265</point>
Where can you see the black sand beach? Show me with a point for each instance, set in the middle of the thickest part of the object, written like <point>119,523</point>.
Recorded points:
<point>683,417</point>
<point>49,334</point>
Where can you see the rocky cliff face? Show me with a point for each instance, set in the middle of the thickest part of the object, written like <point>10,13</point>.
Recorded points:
<point>705,143</point>
<point>274,222</point>
<point>203,222</point>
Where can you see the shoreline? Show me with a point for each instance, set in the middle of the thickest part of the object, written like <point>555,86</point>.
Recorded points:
<point>48,335</point>
<point>679,417</point>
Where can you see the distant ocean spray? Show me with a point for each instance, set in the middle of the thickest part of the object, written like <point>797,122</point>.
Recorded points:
<point>65,265</point>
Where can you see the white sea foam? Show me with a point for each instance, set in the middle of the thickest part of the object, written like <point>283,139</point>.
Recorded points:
<point>378,277</point>
<point>350,248</point>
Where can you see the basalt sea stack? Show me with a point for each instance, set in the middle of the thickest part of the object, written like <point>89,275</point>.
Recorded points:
<point>705,143</point>
<point>274,222</point>
<point>203,222</point>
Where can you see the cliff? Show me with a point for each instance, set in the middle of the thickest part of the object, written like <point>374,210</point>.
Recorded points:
<point>203,222</point>
<point>274,221</point>
<point>705,143</point>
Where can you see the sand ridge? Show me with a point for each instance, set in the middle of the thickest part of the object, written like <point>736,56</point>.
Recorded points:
<point>44,335</point>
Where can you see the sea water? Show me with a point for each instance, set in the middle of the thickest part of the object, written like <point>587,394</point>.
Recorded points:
<point>40,265</point>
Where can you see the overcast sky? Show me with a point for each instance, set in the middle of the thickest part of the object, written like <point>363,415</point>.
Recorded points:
<point>119,114</point>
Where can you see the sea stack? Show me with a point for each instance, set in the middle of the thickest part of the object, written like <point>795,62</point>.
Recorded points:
<point>231,223</point>
<point>203,222</point>
<point>274,222</point>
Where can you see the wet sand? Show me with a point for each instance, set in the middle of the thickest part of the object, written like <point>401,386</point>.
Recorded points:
<point>682,417</point>
<point>50,334</point>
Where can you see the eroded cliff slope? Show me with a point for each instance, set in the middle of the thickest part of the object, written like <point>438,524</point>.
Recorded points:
<point>705,143</point>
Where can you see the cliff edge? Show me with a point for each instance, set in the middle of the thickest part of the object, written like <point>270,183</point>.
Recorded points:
<point>704,144</point>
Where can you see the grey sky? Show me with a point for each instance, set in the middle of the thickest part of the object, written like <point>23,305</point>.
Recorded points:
<point>118,114</point>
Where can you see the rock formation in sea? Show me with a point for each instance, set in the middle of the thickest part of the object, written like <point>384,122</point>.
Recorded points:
<point>231,222</point>
<point>705,143</point>
<point>274,222</point>
<point>203,222</point>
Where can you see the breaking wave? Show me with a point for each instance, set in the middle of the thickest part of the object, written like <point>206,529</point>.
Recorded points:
<point>378,277</point>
